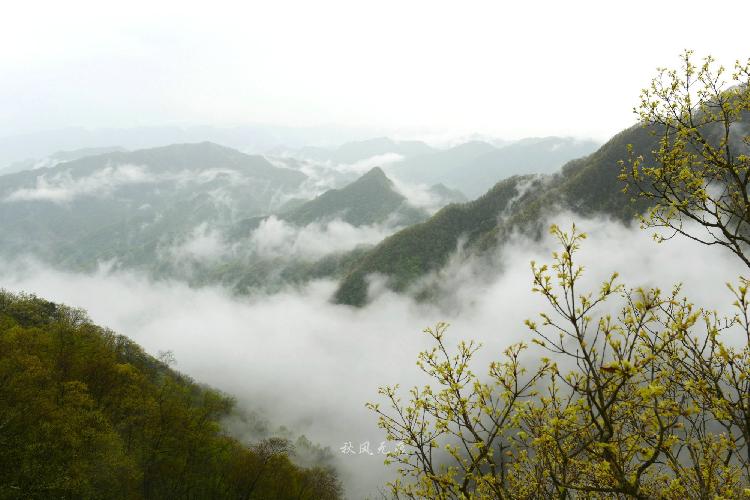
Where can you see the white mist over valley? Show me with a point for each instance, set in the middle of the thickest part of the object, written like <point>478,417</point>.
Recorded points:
<point>225,228</point>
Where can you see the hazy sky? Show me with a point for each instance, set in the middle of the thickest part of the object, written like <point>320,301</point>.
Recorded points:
<point>500,68</point>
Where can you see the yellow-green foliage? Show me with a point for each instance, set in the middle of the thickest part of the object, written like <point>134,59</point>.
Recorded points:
<point>652,401</point>
<point>647,403</point>
<point>697,182</point>
<point>85,413</point>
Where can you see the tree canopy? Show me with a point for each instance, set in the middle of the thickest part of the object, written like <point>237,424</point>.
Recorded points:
<point>697,181</point>
<point>85,413</point>
<point>649,401</point>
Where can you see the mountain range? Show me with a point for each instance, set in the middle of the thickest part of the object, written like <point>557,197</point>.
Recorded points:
<point>352,152</point>
<point>474,167</point>
<point>105,205</point>
<point>588,186</point>
<point>257,138</point>
<point>191,211</point>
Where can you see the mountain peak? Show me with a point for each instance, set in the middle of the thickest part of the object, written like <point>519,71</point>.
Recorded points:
<point>375,173</point>
<point>369,200</point>
<point>372,182</point>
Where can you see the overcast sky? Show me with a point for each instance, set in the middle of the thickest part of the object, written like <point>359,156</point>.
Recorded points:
<point>498,68</point>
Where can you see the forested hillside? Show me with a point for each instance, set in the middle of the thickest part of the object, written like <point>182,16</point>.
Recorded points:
<point>589,186</point>
<point>85,413</point>
<point>414,251</point>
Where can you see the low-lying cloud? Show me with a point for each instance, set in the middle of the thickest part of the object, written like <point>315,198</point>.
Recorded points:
<point>325,175</point>
<point>418,195</point>
<point>311,365</point>
<point>202,244</point>
<point>62,187</point>
<point>362,166</point>
<point>274,238</point>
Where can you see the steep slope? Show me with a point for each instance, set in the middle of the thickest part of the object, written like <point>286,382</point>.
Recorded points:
<point>416,250</point>
<point>528,156</point>
<point>87,413</point>
<point>588,185</point>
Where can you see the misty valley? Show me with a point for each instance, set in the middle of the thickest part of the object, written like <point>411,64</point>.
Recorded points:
<point>252,302</point>
<point>257,258</point>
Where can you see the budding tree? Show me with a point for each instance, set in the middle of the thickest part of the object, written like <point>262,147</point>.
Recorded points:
<point>651,401</point>
<point>697,184</point>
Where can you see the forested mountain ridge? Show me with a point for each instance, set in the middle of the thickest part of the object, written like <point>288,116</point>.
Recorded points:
<point>87,414</point>
<point>588,186</point>
<point>130,208</point>
<point>133,208</point>
<point>176,158</point>
<point>96,206</point>
<point>412,252</point>
<point>143,209</point>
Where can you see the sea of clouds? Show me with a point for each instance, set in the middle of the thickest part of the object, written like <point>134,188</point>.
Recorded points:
<point>311,365</point>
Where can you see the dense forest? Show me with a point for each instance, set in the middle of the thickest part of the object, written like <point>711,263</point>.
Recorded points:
<point>86,413</point>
